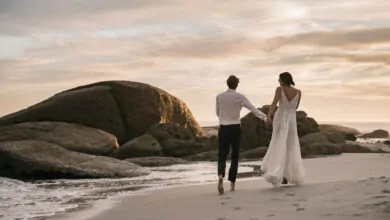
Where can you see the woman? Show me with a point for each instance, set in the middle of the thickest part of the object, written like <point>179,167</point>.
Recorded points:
<point>282,162</point>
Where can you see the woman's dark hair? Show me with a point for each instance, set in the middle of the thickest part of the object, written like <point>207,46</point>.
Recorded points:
<point>287,79</point>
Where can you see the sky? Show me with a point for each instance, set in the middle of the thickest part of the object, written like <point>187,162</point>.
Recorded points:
<point>337,51</point>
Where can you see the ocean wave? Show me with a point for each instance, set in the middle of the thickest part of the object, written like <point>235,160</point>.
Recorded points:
<point>42,199</point>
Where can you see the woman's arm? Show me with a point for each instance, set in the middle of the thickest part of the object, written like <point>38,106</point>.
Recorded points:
<point>272,109</point>
<point>299,98</point>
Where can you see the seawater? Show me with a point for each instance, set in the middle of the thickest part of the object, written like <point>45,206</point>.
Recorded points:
<point>42,199</point>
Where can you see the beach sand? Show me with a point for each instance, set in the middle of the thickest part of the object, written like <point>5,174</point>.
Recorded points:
<point>350,186</point>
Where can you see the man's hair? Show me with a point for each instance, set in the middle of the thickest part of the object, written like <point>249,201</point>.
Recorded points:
<point>232,82</point>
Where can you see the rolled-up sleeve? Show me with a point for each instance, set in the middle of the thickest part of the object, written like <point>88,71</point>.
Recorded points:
<point>247,104</point>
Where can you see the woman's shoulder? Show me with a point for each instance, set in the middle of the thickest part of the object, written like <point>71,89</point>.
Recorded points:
<point>296,89</point>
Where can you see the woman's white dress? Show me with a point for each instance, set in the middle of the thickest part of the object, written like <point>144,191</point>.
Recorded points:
<point>283,158</point>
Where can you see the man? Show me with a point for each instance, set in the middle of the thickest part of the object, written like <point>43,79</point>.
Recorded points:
<point>228,108</point>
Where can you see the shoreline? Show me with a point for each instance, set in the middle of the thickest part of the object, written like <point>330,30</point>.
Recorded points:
<point>190,201</point>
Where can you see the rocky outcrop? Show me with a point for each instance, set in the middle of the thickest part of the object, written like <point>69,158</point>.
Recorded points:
<point>170,130</point>
<point>181,148</point>
<point>376,134</point>
<point>254,153</point>
<point>320,148</point>
<point>306,125</point>
<point>319,144</point>
<point>376,147</point>
<point>335,137</point>
<point>204,156</point>
<point>42,160</point>
<point>73,137</point>
<point>350,133</point>
<point>334,142</point>
<point>157,161</point>
<point>124,109</point>
<point>177,141</point>
<point>350,137</point>
<point>339,128</point>
<point>387,142</point>
<point>356,148</point>
<point>143,146</point>
<point>317,137</point>
<point>256,133</point>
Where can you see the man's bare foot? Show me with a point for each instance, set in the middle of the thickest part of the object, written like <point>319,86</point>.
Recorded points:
<point>232,186</point>
<point>220,186</point>
<point>284,181</point>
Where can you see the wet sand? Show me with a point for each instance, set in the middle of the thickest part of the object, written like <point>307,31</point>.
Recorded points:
<point>350,186</point>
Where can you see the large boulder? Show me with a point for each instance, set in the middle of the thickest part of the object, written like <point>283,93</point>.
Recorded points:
<point>317,137</point>
<point>204,156</point>
<point>143,146</point>
<point>350,133</point>
<point>320,148</point>
<point>170,130</point>
<point>322,143</point>
<point>181,148</point>
<point>256,133</point>
<point>178,141</point>
<point>124,109</point>
<point>306,125</point>
<point>387,142</point>
<point>156,161</point>
<point>339,128</point>
<point>254,153</point>
<point>73,137</point>
<point>376,134</point>
<point>356,148</point>
<point>335,137</point>
<point>43,160</point>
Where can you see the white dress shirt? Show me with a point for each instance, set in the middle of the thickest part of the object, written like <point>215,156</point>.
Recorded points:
<point>229,105</point>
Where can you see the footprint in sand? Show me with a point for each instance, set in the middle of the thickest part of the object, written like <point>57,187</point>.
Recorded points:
<point>236,208</point>
<point>270,215</point>
<point>302,199</point>
<point>386,191</point>
<point>379,197</point>
<point>296,204</point>
<point>327,214</point>
<point>300,209</point>
<point>223,203</point>
<point>290,194</point>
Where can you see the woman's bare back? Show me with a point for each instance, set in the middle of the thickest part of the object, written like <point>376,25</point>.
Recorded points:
<point>290,92</point>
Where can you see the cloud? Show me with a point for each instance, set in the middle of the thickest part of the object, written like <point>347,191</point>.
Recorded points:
<point>380,60</point>
<point>340,38</point>
<point>190,47</point>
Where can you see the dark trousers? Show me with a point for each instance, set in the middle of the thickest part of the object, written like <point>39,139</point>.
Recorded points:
<point>229,136</point>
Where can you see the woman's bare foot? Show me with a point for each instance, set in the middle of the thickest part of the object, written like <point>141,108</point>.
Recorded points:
<point>220,186</point>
